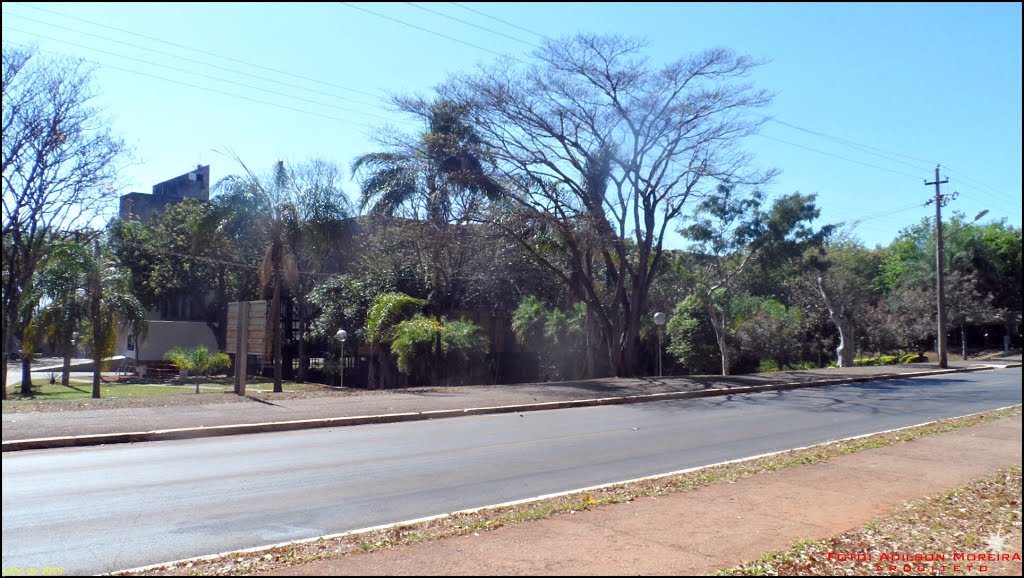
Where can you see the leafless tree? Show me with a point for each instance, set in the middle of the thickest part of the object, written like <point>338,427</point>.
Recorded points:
<point>601,152</point>
<point>59,162</point>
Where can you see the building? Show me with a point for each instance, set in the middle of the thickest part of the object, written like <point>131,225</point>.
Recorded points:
<point>180,321</point>
<point>191,185</point>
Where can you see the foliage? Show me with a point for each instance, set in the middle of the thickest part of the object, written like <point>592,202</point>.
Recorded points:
<point>556,335</point>
<point>59,160</point>
<point>198,360</point>
<point>879,360</point>
<point>600,151</point>
<point>387,311</point>
<point>691,337</point>
<point>774,332</point>
<point>415,342</point>
<point>730,232</point>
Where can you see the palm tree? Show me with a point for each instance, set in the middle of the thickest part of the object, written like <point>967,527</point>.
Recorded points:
<point>439,177</point>
<point>111,301</point>
<point>60,285</point>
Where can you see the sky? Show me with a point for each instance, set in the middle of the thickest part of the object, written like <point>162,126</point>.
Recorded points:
<point>869,98</point>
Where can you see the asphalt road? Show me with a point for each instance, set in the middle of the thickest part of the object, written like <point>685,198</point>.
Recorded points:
<point>101,509</point>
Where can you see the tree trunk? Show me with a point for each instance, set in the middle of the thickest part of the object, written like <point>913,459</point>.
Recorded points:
<point>65,377</point>
<point>844,353</point>
<point>718,324</point>
<point>275,323</point>
<point>97,322</point>
<point>6,349</point>
<point>301,375</point>
<point>26,373</point>
<point>963,342</point>
<point>371,374</point>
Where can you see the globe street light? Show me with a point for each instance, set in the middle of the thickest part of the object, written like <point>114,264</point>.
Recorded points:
<point>342,335</point>
<point>659,320</point>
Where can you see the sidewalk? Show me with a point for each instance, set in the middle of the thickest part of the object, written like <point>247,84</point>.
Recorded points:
<point>34,430</point>
<point>712,527</point>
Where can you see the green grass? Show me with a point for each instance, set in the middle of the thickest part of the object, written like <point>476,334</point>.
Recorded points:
<point>44,391</point>
<point>77,389</point>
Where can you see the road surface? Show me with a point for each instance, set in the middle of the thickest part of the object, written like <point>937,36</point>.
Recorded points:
<point>100,509</point>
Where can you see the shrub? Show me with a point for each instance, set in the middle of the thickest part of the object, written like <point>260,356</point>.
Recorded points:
<point>880,360</point>
<point>197,360</point>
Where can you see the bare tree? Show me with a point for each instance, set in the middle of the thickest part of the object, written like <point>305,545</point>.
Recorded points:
<point>601,151</point>
<point>59,160</point>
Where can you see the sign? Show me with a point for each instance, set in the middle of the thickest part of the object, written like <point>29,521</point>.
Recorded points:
<point>258,328</point>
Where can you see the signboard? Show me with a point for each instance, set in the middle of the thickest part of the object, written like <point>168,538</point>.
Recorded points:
<point>258,328</point>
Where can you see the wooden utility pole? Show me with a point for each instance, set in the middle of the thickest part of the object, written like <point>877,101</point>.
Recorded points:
<point>940,200</point>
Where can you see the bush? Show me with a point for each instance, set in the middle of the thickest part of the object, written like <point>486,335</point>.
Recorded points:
<point>197,360</point>
<point>462,344</point>
<point>880,360</point>
<point>913,358</point>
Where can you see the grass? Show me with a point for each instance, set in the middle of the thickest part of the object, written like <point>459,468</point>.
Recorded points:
<point>470,522</point>
<point>980,518</point>
<point>57,397</point>
<point>44,391</point>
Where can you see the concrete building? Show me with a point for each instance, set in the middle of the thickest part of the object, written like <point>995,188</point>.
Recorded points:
<point>191,185</point>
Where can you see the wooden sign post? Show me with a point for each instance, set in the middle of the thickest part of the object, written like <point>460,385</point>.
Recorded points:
<point>246,331</point>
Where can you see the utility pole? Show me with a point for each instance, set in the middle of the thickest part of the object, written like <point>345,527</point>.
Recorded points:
<point>940,200</point>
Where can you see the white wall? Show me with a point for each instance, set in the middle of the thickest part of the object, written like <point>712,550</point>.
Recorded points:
<point>166,335</point>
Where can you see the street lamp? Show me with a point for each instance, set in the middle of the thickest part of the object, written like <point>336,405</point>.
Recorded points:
<point>659,320</point>
<point>342,335</point>
<point>74,344</point>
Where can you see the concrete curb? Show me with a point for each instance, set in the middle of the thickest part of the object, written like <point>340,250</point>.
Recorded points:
<point>238,429</point>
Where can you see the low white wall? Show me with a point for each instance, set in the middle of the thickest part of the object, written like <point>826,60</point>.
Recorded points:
<point>166,335</point>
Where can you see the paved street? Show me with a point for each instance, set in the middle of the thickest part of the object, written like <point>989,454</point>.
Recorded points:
<point>100,509</point>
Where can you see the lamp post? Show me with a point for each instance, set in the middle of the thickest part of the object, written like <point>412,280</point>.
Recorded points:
<point>342,335</point>
<point>659,320</point>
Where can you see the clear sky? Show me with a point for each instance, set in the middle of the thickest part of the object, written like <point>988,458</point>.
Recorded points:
<point>869,97</point>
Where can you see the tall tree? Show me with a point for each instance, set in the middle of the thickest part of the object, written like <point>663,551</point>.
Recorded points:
<point>111,301</point>
<point>299,214</point>
<point>600,152</point>
<point>60,285</point>
<point>730,232</point>
<point>278,266</point>
<point>845,281</point>
<point>439,177</point>
<point>59,160</point>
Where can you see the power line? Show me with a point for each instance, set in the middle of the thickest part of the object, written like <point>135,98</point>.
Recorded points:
<point>200,62</point>
<point>496,19</point>
<point>847,159</point>
<point>207,89</point>
<point>185,71</point>
<point>484,28</point>
<point>215,55</point>
<point>994,194</point>
<point>428,31</point>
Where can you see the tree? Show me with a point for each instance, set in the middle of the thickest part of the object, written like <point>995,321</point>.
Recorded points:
<point>439,178</point>
<point>60,284</point>
<point>386,312</point>
<point>109,294</point>
<point>774,332</point>
<point>729,232</point>
<point>600,151</point>
<point>691,337</point>
<point>59,160</point>
<point>555,335</point>
<point>845,280</point>
<point>197,360</point>
<point>297,209</point>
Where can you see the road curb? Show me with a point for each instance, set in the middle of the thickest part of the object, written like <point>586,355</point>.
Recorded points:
<point>239,429</point>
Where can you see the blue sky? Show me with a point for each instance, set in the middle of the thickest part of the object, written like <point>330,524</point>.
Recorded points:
<point>869,97</point>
